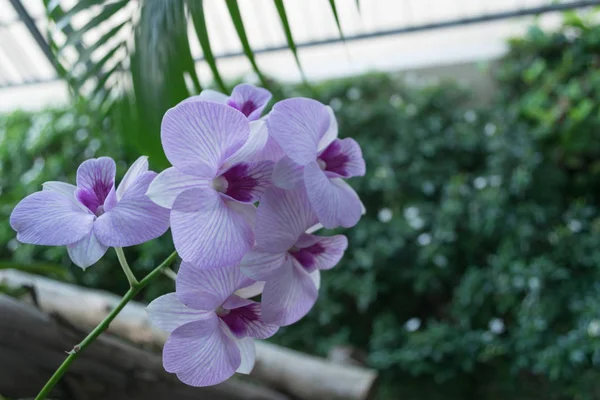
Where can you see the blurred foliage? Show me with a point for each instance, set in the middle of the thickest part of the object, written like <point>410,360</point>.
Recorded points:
<point>475,272</point>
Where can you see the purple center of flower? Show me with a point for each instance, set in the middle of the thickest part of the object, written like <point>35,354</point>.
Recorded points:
<point>236,183</point>
<point>306,256</point>
<point>332,159</point>
<point>245,108</point>
<point>238,319</point>
<point>95,197</point>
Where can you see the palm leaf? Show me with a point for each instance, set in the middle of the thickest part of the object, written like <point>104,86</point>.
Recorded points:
<point>288,34</point>
<point>337,18</point>
<point>236,17</point>
<point>196,10</point>
<point>107,12</point>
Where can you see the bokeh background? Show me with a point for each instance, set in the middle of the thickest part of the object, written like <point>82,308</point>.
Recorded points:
<point>475,272</point>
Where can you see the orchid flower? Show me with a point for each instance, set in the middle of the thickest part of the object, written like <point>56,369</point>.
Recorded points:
<point>306,131</point>
<point>212,329</point>
<point>286,257</point>
<point>211,187</point>
<point>92,216</point>
<point>246,98</point>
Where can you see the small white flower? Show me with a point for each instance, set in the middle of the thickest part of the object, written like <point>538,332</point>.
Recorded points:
<point>385,215</point>
<point>575,225</point>
<point>336,104</point>
<point>428,188</point>
<point>382,173</point>
<point>411,110</point>
<point>470,116</point>
<point>440,260</point>
<point>396,100</point>
<point>594,328</point>
<point>424,239</point>
<point>411,212</point>
<point>353,93</point>
<point>412,324</point>
<point>534,283</point>
<point>495,180</point>
<point>416,223</point>
<point>12,245</point>
<point>496,326</point>
<point>489,129</point>
<point>480,182</point>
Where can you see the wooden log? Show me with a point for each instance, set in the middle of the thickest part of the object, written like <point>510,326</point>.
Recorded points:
<point>303,376</point>
<point>33,343</point>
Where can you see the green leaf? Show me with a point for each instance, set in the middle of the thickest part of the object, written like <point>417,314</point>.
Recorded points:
<point>107,12</point>
<point>196,10</point>
<point>288,34</point>
<point>337,19</point>
<point>86,55</point>
<point>64,18</point>
<point>236,17</point>
<point>358,5</point>
<point>79,81</point>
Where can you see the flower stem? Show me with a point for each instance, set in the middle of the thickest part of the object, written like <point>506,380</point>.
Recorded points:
<point>74,353</point>
<point>133,282</point>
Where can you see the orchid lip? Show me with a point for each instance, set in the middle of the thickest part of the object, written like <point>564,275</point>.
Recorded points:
<point>221,312</point>
<point>322,164</point>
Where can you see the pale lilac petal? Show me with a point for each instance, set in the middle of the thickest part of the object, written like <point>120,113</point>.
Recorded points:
<point>320,252</point>
<point>198,136</point>
<point>165,188</point>
<point>95,180</point>
<point>248,353</point>
<point>234,301</point>
<point>298,125</point>
<point>249,100</point>
<point>250,291</point>
<point>270,152</point>
<point>332,131</point>
<point>202,353</point>
<point>208,230</point>
<point>86,251</point>
<point>289,295</point>
<point>168,313</point>
<point>137,168</point>
<point>335,203</point>
<point>50,218</point>
<point>110,202</point>
<point>343,158</point>
<point>135,219</point>
<point>260,265</point>
<point>206,289</point>
<point>253,146</point>
<point>246,182</point>
<point>282,216</point>
<point>287,174</point>
<point>246,320</point>
<point>211,95</point>
<point>66,189</point>
<point>316,278</point>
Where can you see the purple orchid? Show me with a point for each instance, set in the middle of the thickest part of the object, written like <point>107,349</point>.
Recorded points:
<point>92,216</point>
<point>212,186</point>
<point>212,329</point>
<point>286,257</point>
<point>248,99</point>
<point>306,131</point>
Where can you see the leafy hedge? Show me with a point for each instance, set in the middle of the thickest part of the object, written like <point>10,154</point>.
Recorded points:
<point>476,271</point>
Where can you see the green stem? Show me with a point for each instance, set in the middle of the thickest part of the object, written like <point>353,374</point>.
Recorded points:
<point>128,273</point>
<point>74,353</point>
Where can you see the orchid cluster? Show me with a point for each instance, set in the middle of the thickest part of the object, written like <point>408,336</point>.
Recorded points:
<point>243,198</point>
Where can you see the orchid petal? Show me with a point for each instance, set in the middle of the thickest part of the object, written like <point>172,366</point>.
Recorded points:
<point>248,292</point>
<point>248,353</point>
<point>165,188</point>
<point>86,251</point>
<point>50,218</point>
<point>282,216</point>
<point>135,219</point>
<point>335,203</point>
<point>254,145</point>
<point>168,313</point>
<point>261,265</point>
<point>249,100</point>
<point>298,125</point>
<point>343,158</point>
<point>270,152</point>
<point>95,180</point>
<point>197,136</point>
<point>289,295</point>
<point>332,131</point>
<point>246,320</point>
<point>287,174</point>
<point>137,168</point>
<point>320,252</point>
<point>210,231</point>
<point>206,289</point>
<point>202,353</point>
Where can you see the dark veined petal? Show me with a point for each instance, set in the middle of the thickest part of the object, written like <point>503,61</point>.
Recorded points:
<point>249,100</point>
